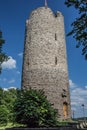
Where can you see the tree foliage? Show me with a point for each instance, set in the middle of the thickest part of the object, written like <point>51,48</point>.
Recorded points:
<point>33,109</point>
<point>7,99</point>
<point>4,112</point>
<point>3,56</point>
<point>79,26</point>
<point>28,107</point>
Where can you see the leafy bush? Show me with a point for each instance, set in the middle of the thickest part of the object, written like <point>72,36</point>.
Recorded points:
<point>7,99</point>
<point>3,115</point>
<point>34,110</point>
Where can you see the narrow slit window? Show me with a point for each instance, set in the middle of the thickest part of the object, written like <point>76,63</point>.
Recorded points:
<point>27,63</point>
<point>55,36</point>
<point>55,60</point>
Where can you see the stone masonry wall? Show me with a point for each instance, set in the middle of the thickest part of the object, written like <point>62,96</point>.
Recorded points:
<point>45,62</point>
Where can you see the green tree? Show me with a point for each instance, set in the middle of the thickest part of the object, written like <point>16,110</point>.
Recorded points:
<point>1,96</point>
<point>33,109</point>
<point>3,115</point>
<point>79,26</point>
<point>3,56</point>
<point>9,98</point>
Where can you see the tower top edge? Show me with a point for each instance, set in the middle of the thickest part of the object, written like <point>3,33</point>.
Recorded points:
<point>56,13</point>
<point>42,8</point>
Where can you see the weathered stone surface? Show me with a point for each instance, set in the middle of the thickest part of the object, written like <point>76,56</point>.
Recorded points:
<point>45,62</point>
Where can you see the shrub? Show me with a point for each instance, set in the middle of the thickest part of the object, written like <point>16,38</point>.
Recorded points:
<point>34,110</point>
<point>3,115</point>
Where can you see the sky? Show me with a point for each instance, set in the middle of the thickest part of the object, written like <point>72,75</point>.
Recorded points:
<point>13,15</point>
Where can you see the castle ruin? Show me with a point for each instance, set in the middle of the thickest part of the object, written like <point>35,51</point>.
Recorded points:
<point>45,61</point>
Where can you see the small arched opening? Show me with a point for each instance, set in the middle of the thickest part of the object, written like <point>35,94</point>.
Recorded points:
<point>65,109</point>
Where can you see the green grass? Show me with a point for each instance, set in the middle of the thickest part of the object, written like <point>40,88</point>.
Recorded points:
<point>9,125</point>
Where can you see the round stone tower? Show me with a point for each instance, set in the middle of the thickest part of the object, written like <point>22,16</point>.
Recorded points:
<point>45,61</point>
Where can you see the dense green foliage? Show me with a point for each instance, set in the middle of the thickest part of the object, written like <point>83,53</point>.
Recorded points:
<point>4,112</point>
<point>7,99</point>
<point>3,56</point>
<point>30,108</point>
<point>33,109</point>
<point>79,26</point>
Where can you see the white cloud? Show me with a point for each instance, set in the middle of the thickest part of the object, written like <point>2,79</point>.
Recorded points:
<point>10,64</point>
<point>20,54</point>
<point>72,85</point>
<point>78,97</point>
<point>73,103</point>
<point>12,88</point>
<point>73,109</point>
<point>11,81</point>
<point>80,91</point>
<point>6,89</point>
